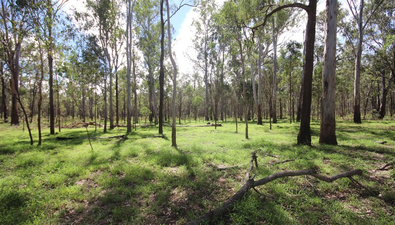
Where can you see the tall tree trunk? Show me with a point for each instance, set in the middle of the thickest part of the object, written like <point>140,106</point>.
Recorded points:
<point>358,58</point>
<point>136,112</point>
<point>110,97</point>
<point>15,86</point>
<point>206,99</point>
<point>162,69</point>
<point>3,96</point>
<point>173,106</point>
<point>304,136</point>
<point>384,92</point>
<point>50,67</point>
<point>274,87</point>
<point>116,100</point>
<point>245,105</point>
<point>259,100</point>
<point>105,103</point>
<point>129,41</point>
<point>40,93</point>
<point>328,120</point>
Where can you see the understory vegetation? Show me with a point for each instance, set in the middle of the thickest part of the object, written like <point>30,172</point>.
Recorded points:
<point>140,179</point>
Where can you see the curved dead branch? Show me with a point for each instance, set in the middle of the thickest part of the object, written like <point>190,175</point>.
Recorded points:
<point>228,205</point>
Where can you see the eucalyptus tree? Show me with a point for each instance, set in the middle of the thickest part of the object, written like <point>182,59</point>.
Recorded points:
<point>380,34</point>
<point>362,16</point>
<point>4,108</point>
<point>328,120</point>
<point>236,19</point>
<point>46,17</point>
<point>129,58</point>
<point>290,63</point>
<point>15,27</point>
<point>103,18</point>
<point>148,35</point>
<point>204,27</point>
<point>174,79</point>
<point>304,135</point>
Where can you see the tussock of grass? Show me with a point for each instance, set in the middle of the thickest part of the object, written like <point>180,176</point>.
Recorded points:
<point>140,179</point>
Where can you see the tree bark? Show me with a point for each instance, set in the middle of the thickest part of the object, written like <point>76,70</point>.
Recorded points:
<point>274,87</point>
<point>357,76</point>
<point>328,120</point>
<point>3,96</point>
<point>173,104</point>
<point>50,68</point>
<point>161,70</point>
<point>384,92</point>
<point>245,105</point>
<point>304,136</point>
<point>259,100</point>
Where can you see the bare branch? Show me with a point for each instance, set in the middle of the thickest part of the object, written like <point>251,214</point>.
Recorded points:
<point>227,206</point>
<point>293,5</point>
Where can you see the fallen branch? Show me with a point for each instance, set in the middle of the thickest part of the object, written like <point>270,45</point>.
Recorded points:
<point>228,205</point>
<point>288,160</point>
<point>386,165</point>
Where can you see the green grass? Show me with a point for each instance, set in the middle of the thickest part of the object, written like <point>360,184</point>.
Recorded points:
<point>141,179</point>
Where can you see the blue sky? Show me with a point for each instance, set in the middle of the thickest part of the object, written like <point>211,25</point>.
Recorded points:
<point>179,17</point>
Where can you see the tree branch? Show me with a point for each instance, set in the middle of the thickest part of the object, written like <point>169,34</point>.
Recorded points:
<point>227,206</point>
<point>293,5</point>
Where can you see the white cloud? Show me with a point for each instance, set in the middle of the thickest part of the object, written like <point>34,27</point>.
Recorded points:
<point>183,43</point>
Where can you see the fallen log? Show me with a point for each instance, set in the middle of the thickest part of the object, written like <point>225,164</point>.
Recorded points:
<point>227,206</point>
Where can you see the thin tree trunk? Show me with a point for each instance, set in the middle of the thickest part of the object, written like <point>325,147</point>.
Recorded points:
<point>3,96</point>
<point>105,103</point>
<point>129,41</point>
<point>50,66</point>
<point>274,87</point>
<point>245,106</point>
<point>40,92</point>
<point>357,78</point>
<point>173,126</point>
<point>161,70</point>
<point>259,100</point>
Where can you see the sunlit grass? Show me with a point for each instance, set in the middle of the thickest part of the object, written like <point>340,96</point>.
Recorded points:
<point>141,179</point>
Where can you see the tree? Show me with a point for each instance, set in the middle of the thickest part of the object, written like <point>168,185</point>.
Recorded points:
<point>381,56</point>
<point>328,121</point>
<point>304,135</point>
<point>204,28</point>
<point>15,28</point>
<point>4,108</point>
<point>357,11</point>
<point>174,78</point>
<point>149,32</point>
<point>162,69</point>
<point>129,56</point>
<point>105,17</point>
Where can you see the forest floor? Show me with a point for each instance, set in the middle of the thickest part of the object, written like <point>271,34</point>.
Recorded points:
<point>139,178</point>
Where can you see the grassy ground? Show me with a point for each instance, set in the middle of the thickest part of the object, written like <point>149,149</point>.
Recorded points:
<point>142,180</point>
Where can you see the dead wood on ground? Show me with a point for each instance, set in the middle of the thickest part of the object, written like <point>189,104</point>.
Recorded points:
<point>252,184</point>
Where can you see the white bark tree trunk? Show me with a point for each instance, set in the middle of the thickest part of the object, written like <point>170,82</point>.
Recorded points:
<point>328,122</point>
